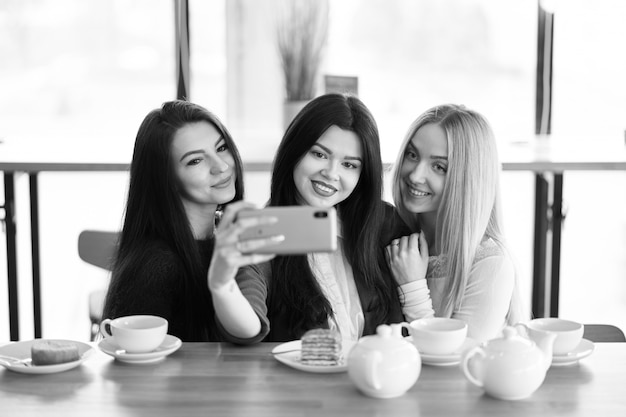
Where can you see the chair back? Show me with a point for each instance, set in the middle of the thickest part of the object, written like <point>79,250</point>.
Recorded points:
<point>603,333</point>
<point>97,247</point>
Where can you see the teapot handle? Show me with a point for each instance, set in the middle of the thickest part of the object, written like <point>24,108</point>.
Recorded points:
<point>371,374</point>
<point>475,351</point>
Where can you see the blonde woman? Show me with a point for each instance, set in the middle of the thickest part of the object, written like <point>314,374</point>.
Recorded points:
<point>446,188</point>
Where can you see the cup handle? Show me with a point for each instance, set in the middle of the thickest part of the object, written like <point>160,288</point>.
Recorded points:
<point>396,329</point>
<point>475,351</point>
<point>406,326</point>
<point>105,326</point>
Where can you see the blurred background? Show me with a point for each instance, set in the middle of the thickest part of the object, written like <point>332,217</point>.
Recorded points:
<point>79,72</point>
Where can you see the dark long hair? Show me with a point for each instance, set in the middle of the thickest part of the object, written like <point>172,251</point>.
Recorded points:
<point>154,210</point>
<point>294,292</point>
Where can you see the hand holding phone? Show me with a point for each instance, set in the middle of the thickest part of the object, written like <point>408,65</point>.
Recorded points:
<point>228,255</point>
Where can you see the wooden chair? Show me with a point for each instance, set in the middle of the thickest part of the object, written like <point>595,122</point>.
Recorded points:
<point>97,248</point>
<point>603,333</point>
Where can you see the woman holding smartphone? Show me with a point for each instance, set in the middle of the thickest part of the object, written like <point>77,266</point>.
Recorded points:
<point>330,157</point>
<point>174,260</point>
<point>446,188</point>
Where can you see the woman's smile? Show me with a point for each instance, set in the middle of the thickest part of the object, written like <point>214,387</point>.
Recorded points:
<point>323,189</point>
<point>415,192</point>
<point>223,183</point>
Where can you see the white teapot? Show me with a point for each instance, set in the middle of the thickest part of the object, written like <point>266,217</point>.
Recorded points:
<point>384,365</point>
<point>511,367</point>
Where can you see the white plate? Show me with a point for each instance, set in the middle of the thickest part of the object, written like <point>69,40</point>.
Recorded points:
<point>21,350</point>
<point>170,345</point>
<point>584,349</point>
<point>446,360</point>
<point>291,357</point>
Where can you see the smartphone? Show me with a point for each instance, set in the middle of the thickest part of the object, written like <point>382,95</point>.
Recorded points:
<point>306,229</point>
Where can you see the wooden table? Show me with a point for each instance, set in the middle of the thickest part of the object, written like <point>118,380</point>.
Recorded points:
<point>547,157</point>
<point>211,379</point>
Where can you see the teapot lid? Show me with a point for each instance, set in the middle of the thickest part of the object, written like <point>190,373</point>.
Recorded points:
<point>383,339</point>
<point>511,341</point>
<point>384,330</point>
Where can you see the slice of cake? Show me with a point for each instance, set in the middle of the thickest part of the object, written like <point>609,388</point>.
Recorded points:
<point>321,347</point>
<point>52,352</point>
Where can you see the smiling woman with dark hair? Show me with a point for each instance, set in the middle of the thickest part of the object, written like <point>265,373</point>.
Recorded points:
<point>330,157</point>
<point>185,171</point>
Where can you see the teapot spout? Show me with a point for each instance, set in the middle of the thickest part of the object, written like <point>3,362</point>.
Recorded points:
<point>543,339</point>
<point>545,342</point>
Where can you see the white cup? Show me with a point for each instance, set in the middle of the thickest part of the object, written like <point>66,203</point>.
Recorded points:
<point>136,334</point>
<point>568,333</point>
<point>437,335</point>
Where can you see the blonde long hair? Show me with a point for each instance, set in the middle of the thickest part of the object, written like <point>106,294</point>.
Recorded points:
<point>470,206</point>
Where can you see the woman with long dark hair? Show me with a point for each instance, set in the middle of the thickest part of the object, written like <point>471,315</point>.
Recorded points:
<point>174,260</point>
<point>330,157</point>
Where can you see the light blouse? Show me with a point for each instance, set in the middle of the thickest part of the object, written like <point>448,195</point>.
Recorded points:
<point>336,279</point>
<point>487,298</point>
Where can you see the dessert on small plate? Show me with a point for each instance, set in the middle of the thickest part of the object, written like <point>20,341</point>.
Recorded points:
<point>169,345</point>
<point>450,359</point>
<point>584,349</point>
<point>43,356</point>
<point>319,351</point>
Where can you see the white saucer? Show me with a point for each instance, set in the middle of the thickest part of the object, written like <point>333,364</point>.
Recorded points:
<point>21,350</point>
<point>170,345</point>
<point>446,360</point>
<point>291,357</point>
<point>584,349</point>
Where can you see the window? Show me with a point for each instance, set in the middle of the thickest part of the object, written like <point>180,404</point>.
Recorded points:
<point>83,69</point>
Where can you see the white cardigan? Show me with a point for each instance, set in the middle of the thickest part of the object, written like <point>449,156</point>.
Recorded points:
<point>486,300</point>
